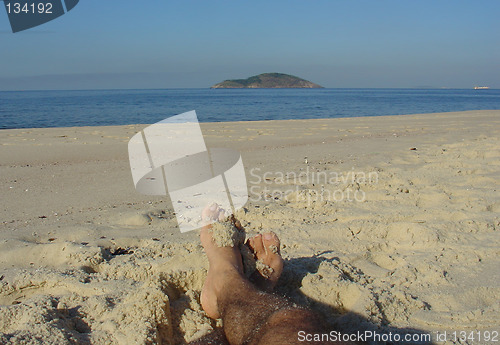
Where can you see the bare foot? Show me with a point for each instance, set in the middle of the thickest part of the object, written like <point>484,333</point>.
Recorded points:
<point>224,265</point>
<point>266,249</point>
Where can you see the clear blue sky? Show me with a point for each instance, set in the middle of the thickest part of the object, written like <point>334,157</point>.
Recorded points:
<point>335,43</point>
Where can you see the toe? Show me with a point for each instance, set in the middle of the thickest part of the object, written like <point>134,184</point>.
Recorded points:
<point>213,213</point>
<point>271,243</point>
<point>257,246</point>
<point>221,215</point>
<point>208,212</point>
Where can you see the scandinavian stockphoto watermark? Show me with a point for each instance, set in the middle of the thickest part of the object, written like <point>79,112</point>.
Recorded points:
<point>27,14</point>
<point>310,185</point>
<point>171,157</point>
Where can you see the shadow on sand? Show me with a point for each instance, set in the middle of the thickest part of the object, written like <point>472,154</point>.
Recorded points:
<point>336,319</point>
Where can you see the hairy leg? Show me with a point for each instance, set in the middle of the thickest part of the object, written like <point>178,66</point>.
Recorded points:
<point>251,316</point>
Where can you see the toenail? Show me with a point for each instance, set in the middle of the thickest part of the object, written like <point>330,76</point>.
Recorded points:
<point>213,207</point>
<point>268,236</point>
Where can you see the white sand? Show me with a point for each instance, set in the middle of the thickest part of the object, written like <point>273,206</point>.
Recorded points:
<point>85,259</point>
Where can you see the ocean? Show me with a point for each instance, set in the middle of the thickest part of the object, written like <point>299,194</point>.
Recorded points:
<point>41,109</point>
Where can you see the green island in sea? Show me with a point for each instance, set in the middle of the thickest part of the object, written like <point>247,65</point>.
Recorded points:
<point>267,81</point>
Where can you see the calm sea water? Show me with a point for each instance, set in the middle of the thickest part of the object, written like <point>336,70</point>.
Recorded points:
<point>27,109</point>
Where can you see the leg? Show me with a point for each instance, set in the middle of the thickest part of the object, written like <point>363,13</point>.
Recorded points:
<point>251,316</point>
<point>254,317</point>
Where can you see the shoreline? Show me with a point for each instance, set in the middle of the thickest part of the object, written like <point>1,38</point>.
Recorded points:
<point>267,121</point>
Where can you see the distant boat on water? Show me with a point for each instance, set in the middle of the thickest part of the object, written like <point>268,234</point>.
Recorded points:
<point>481,87</point>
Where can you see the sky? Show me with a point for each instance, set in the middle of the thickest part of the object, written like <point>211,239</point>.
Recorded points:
<point>103,44</point>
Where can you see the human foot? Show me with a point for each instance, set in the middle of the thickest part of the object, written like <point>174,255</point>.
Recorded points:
<point>266,249</point>
<point>224,264</point>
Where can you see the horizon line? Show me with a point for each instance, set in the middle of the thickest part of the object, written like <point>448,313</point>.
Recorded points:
<point>263,88</point>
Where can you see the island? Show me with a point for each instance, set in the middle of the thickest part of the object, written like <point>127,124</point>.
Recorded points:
<point>267,81</point>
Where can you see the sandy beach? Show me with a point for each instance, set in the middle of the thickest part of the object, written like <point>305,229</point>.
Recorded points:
<point>387,223</point>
